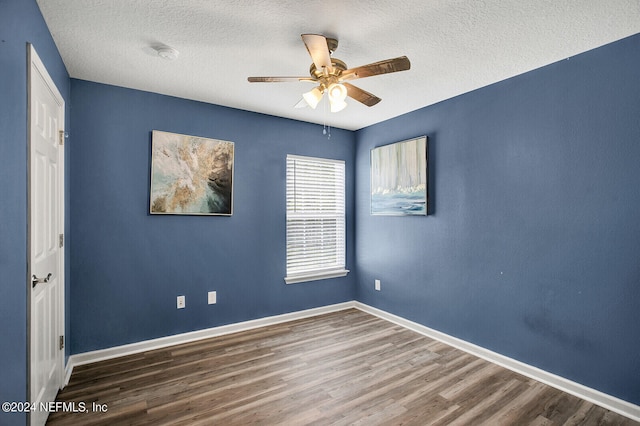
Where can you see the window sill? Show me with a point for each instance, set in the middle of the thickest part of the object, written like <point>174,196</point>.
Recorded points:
<point>315,276</point>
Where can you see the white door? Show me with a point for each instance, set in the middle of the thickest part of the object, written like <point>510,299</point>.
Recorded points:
<point>46,224</point>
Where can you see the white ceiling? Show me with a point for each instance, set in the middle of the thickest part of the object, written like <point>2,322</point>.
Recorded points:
<point>455,46</point>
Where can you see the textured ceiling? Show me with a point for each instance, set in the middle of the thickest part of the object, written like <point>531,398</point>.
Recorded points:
<point>454,46</point>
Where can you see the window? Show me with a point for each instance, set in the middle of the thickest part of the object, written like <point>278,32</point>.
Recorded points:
<point>315,219</point>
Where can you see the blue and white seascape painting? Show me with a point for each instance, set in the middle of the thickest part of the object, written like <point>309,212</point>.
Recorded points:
<point>399,178</point>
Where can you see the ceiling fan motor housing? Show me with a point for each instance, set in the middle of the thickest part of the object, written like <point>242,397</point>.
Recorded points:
<point>332,44</point>
<point>325,77</point>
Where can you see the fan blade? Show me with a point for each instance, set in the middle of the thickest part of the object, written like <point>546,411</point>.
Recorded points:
<point>318,50</point>
<point>383,67</point>
<point>361,95</point>
<point>278,79</point>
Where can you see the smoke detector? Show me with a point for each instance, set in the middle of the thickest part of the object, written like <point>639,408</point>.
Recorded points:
<point>166,52</point>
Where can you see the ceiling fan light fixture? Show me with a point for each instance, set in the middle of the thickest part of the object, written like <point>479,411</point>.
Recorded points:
<point>337,105</point>
<point>313,97</point>
<point>337,95</point>
<point>337,92</point>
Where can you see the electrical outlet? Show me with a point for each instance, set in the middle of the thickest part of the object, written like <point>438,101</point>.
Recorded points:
<point>377,285</point>
<point>181,302</point>
<point>212,297</point>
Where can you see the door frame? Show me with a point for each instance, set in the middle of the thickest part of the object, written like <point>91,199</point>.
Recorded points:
<point>34,62</point>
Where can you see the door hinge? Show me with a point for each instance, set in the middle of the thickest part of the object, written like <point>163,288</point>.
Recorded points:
<point>61,342</point>
<point>61,137</point>
<point>61,240</point>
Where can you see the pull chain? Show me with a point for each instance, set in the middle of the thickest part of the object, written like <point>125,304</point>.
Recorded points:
<point>326,129</point>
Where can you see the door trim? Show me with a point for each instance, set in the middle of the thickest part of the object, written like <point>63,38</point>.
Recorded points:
<point>35,63</point>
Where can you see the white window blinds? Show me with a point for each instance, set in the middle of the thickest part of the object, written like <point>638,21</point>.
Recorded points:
<point>315,219</point>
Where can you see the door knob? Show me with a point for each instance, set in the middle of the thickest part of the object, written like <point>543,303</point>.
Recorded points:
<point>37,280</point>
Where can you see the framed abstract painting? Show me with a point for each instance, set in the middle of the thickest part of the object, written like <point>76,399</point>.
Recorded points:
<point>191,175</point>
<point>399,178</point>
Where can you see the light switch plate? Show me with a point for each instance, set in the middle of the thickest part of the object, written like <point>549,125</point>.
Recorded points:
<point>212,297</point>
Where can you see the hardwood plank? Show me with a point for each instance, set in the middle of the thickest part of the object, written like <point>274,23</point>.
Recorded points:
<point>485,405</point>
<point>469,380</point>
<point>510,411</point>
<point>343,368</point>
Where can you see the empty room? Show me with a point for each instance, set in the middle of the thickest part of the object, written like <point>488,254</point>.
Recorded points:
<point>292,212</point>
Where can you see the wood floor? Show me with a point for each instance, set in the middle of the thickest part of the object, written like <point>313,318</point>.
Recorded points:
<point>343,368</point>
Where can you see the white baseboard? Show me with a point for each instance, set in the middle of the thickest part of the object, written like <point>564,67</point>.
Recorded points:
<point>601,399</point>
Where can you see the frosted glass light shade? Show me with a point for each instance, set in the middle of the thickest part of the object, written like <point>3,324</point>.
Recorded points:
<point>337,95</point>
<point>337,92</point>
<point>313,97</point>
<point>337,105</point>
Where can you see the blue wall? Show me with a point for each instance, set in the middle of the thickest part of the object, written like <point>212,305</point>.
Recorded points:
<point>128,266</point>
<point>531,248</point>
<point>20,22</point>
<point>532,245</point>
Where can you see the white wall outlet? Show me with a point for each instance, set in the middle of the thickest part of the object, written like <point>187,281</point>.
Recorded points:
<point>181,302</point>
<point>212,297</point>
<point>377,285</point>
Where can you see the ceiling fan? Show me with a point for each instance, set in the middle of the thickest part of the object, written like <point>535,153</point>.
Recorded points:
<point>332,75</point>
